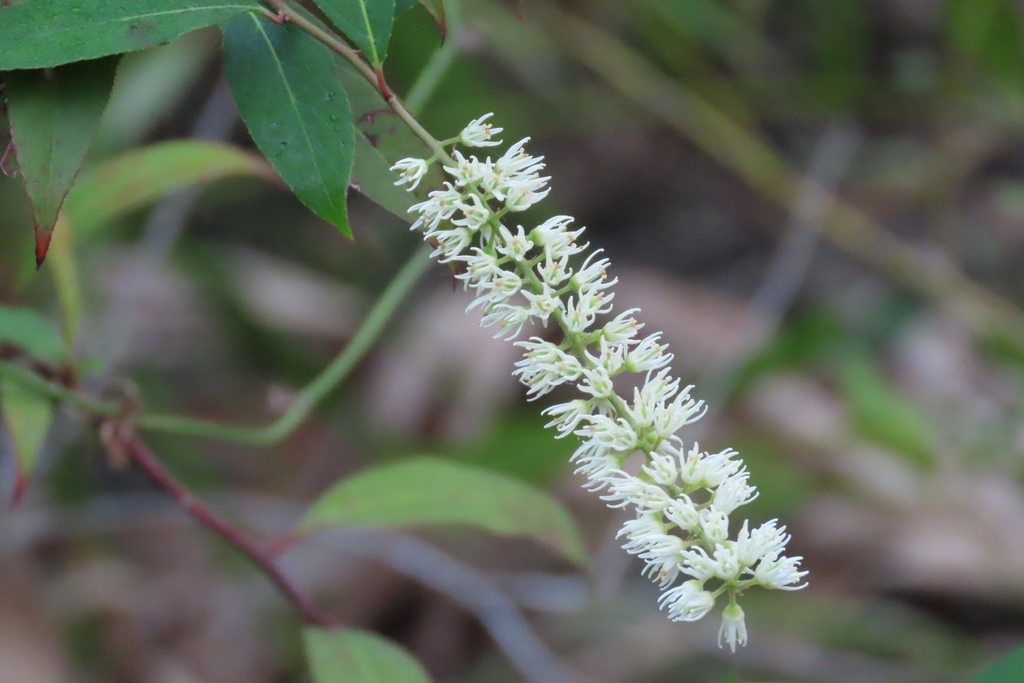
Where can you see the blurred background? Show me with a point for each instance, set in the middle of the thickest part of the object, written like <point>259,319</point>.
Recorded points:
<point>820,203</point>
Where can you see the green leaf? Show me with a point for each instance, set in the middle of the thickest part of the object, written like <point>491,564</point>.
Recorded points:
<point>990,32</point>
<point>372,176</point>
<point>386,132</point>
<point>290,98</point>
<point>43,33</point>
<point>431,491</point>
<point>27,416</point>
<point>140,177</point>
<point>54,115</point>
<point>31,332</point>
<point>366,22</point>
<point>969,23</point>
<point>1009,669</point>
<point>354,656</point>
<point>436,9</point>
<point>885,416</point>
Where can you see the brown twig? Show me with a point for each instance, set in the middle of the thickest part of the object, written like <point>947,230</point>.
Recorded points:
<point>137,451</point>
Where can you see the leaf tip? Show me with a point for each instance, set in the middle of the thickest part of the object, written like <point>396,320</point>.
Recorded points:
<point>43,236</point>
<point>20,486</point>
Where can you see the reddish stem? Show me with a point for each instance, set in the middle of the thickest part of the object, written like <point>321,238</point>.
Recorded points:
<point>137,451</point>
<point>382,86</point>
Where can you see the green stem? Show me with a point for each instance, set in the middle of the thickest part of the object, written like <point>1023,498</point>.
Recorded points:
<point>55,390</point>
<point>307,399</point>
<point>316,390</point>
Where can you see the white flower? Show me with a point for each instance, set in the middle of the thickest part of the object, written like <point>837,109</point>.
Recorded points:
<point>643,531</point>
<point>556,238</point>
<point>567,416</point>
<point>704,470</point>
<point>734,629</point>
<point>663,559</point>
<point>687,601</point>
<point>515,163</point>
<point>597,383</point>
<point>623,328</point>
<point>683,513</point>
<point>727,564</point>
<point>545,367</point>
<point>450,243</point>
<point>774,571</point>
<point>578,318</point>
<point>714,524</point>
<point>591,277</point>
<point>412,171</point>
<point>509,319</point>
<point>611,356</point>
<point>669,419</point>
<point>521,195</point>
<point>633,491</point>
<point>498,288</point>
<point>543,303</point>
<point>467,171</point>
<point>764,540</point>
<point>479,134</point>
<point>554,272</point>
<point>440,205</point>
<point>597,462</point>
<point>648,355</point>
<point>662,469</point>
<point>732,493</point>
<point>515,245</point>
<point>698,564</point>
<point>615,435</point>
<point>474,213</point>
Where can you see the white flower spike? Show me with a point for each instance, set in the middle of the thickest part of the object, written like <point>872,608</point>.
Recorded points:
<point>683,497</point>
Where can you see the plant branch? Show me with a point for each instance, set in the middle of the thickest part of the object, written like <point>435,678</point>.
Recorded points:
<point>137,451</point>
<point>277,431</point>
<point>375,77</point>
<point>315,391</point>
<point>33,380</point>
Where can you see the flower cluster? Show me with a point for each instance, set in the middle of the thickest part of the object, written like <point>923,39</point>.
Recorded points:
<point>683,497</point>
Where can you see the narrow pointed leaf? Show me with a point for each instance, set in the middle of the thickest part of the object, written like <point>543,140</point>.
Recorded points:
<point>366,22</point>
<point>431,491</point>
<point>290,98</point>
<point>54,116</point>
<point>353,656</point>
<point>27,417</point>
<point>138,178</point>
<point>27,330</point>
<point>50,32</point>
